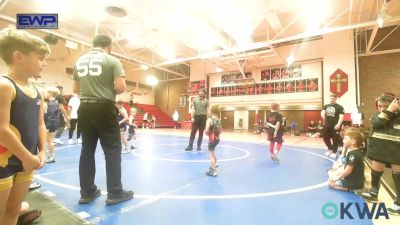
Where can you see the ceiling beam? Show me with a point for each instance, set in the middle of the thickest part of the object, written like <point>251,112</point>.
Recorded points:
<point>371,39</point>
<point>222,32</point>
<point>3,3</point>
<point>385,37</point>
<point>380,52</point>
<point>258,45</point>
<point>121,56</point>
<point>338,17</point>
<point>393,7</point>
<point>167,80</point>
<point>359,13</point>
<point>288,25</point>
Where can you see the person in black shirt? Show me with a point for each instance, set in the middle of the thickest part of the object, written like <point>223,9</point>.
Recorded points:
<point>312,128</point>
<point>63,119</point>
<point>383,148</point>
<point>275,130</point>
<point>332,115</point>
<point>352,177</point>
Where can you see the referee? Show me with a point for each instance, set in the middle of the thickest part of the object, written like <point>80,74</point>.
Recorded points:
<point>98,77</point>
<point>200,108</point>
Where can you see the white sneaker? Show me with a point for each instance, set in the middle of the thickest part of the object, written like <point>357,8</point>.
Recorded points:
<point>50,159</point>
<point>332,155</point>
<point>328,153</point>
<point>276,155</point>
<point>79,141</point>
<point>70,141</point>
<point>394,209</point>
<point>126,151</point>
<point>58,141</point>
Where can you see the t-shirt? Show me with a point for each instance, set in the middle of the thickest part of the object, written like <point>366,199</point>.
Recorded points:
<point>74,103</point>
<point>200,106</point>
<point>52,114</point>
<point>312,127</point>
<point>95,71</point>
<point>273,118</point>
<point>332,112</point>
<point>60,99</point>
<point>175,116</point>
<point>356,179</point>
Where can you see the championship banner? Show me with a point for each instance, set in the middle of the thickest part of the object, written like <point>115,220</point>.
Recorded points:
<point>339,83</point>
<point>194,87</point>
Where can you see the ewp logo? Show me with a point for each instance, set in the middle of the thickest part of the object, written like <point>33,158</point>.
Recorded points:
<point>330,210</point>
<point>37,21</point>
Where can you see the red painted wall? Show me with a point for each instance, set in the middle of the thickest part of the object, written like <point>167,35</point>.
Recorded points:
<point>314,115</point>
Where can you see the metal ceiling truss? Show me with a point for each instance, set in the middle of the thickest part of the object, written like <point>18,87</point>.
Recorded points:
<point>122,56</point>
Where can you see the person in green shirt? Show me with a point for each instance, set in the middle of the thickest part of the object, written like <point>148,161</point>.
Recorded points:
<point>98,77</point>
<point>199,118</point>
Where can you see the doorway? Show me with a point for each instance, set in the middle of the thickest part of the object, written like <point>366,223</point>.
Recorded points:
<point>227,120</point>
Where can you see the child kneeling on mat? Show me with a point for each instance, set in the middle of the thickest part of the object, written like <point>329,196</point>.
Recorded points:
<point>352,177</point>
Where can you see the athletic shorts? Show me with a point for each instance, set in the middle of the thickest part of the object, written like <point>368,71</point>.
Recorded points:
<point>387,165</point>
<point>13,174</point>
<point>51,127</point>
<point>131,129</point>
<point>122,127</point>
<point>344,184</point>
<point>211,146</point>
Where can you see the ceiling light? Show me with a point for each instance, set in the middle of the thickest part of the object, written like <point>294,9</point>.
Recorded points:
<point>71,44</point>
<point>218,70</point>
<point>382,14</point>
<point>144,67</point>
<point>151,80</point>
<point>166,52</point>
<point>380,21</point>
<point>116,11</point>
<point>290,60</point>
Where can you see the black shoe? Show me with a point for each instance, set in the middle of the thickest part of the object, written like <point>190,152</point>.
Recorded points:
<point>198,148</point>
<point>115,199</point>
<point>211,173</point>
<point>86,198</point>
<point>133,147</point>
<point>189,148</point>
<point>29,217</point>
<point>367,196</point>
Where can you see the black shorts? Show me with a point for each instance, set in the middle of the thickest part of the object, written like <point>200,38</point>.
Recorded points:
<point>122,127</point>
<point>278,138</point>
<point>51,127</point>
<point>131,129</point>
<point>387,165</point>
<point>10,170</point>
<point>212,145</point>
<point>345,184</point>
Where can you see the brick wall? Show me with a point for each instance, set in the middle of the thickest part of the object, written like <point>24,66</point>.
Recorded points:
<point>378,74</point>
<point>166,97</point>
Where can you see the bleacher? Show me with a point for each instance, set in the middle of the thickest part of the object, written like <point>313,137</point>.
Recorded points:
<point>162,119</point>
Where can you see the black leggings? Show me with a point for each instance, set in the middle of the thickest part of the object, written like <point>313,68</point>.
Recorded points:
<point>73,124</point>
<point>331,133</point>
<point>199,124</point>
